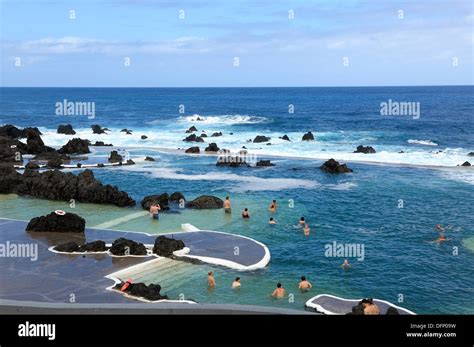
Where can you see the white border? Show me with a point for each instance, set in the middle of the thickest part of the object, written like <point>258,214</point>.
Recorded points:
<point>320,309</point>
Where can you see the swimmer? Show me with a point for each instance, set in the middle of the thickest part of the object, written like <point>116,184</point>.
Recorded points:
<point>345,264</point>
<point>440,228</point>
<point>279,292</point>
<point>302,222</point>
<point>211,281</point>
<point>441,238</point>
<point>236,284</point>
<point>227,207</point>
<point>154,211</point>
<point>306,230</point>
<point>246,213</point>
<point>369,307</point>
<point>272,221</point>
<point>304,285</point>
<point>273,206</point>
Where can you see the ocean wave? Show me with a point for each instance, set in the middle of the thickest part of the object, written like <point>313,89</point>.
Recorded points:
<point>223,119</point>
<point>422,142</point>
<point>244,183</point>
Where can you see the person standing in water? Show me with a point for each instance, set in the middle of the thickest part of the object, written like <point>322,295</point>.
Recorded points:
<point>304,285</point>
<point>345,264</point>
<point>273,206</point>
<point>154,211</point>
<point>236,284</point>
<point>246,213</point>
<point>279,292</point>
<point>306,230</point>
<point>227,207</point>
<point>211,281</point>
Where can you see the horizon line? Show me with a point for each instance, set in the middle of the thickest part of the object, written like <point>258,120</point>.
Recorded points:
<point>255,87</point>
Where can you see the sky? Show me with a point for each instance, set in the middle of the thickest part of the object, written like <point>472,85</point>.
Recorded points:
<point>236,43</point>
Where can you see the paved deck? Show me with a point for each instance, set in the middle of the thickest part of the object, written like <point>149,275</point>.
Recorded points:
<point>60,278</point>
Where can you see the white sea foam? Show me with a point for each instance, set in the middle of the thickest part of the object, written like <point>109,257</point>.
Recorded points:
<point>422,142</point>
<point>342,186</point>
<point>464,175</point>
<point>226,119</point>
<point>341,150</point>
<point>244,183</point>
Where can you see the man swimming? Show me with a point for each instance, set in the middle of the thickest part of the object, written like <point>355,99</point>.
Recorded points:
<point>440,228</point>
<point>154,211</point>
<point>345,264</point>
<point>304,285</point>
<point>279,292</point>
<point>236,284</point>
<point>227,207</point>
<point>272,221</point>
<point>302,222</point>
<point>211,281</point>
<point>273,206</point>
<point>306,230</point>
<point>369,307</point>
<point>246,213</point>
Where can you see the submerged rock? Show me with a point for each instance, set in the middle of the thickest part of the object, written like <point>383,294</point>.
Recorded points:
<point>177,197</point>
<point>101,143</point>
<point>147,158</point>
<point>285,137</point>
<point>162,199</point>
<point>308,136</point>
<point>470,154</point>
<point>193,138</point>
<point>191,129</point>
<point>69,247</point>
<point>75,146</point>
<point>206,202</point>
<point>53,222</point>
<point>261,138</point>
<point>115,157</point>
<point>193,150</point>
<point>231,161</point>
<point>123,246</point>
<point>203,135</point>
<point>165,246</point>
<point>265,163</point>
<point>97,129</point>
<point>212,147</point>
<point>143,137</point>
<point>216,134</point>
<point>94,246</point>
<point>66,129</point>
<point>333,166</point>
<point>365,149</point>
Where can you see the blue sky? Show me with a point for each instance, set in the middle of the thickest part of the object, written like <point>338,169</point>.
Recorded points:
<point>199,51</point>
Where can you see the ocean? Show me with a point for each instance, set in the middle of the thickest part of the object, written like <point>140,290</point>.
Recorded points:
<point>390,204</point>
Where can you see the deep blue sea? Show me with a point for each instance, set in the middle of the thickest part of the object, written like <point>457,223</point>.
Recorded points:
<point>391,203</point>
